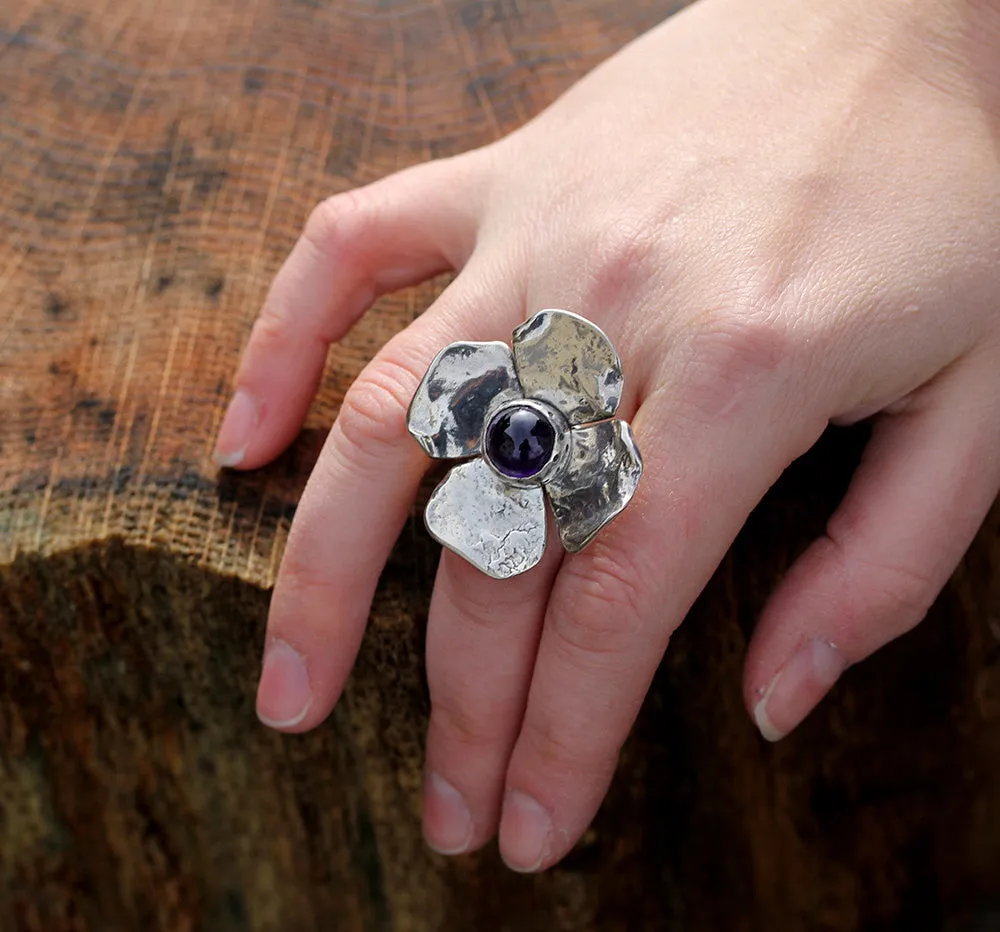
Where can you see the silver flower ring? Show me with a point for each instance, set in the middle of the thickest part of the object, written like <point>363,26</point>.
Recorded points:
<point>533,421</point>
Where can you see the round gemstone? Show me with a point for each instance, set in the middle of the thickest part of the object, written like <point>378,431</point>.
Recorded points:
<point>520,441</point>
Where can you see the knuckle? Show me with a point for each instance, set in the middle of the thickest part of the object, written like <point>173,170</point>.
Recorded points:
<point>373,414</point>
<point>570,750</point>
<point>903,593</point>
<point>603,611</point>
<point>478,606</point>
<point>459,724</point>
<point>625,256</point>
<point>894,591</point>
<point>625,248</point>
<point>300,574</point>
<point>337,224</point>
<point>900,592</point>
<point>271,334</point>
<point>483,602</point>
<point>732,357</point>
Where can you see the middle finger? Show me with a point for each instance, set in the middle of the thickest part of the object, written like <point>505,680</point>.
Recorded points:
<point>482,636</point>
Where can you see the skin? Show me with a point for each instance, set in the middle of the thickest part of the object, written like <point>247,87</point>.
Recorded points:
<point>783,214</point>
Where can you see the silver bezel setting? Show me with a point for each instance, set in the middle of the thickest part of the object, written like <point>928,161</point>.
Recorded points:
<point>564,368</point>
<point>560,450</point>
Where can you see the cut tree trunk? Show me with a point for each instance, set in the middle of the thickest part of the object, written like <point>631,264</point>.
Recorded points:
<point>157,159</point>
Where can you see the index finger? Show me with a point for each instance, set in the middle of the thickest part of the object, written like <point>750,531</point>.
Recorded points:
<point>354,507</point>
<point>356,246</point>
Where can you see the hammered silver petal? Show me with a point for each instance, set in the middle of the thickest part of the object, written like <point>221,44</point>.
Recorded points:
<point>599,480</point>
<point>448,410</point>
<point>497,527</point>
<point>566,360</point>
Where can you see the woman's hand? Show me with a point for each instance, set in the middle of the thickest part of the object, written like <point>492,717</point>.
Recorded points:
<point>783,214</point>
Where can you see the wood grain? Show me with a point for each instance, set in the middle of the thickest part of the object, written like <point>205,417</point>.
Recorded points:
<point>157,159</point>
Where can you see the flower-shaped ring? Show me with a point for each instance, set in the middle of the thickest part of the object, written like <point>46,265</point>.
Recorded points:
<point>533,421</point>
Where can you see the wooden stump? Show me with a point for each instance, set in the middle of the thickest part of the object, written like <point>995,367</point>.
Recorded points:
<point>157,160</point>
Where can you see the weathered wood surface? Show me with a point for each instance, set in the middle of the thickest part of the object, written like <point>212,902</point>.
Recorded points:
<point>157,158</point>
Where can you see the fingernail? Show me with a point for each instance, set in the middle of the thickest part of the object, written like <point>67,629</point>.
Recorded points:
<point>447,822</point>
<point>797,687</point>
<point>284,695</point>
<point>237,428</point>
<point>525,832</point>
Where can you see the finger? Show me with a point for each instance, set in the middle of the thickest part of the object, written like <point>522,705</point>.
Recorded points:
<point>614,606</point>
<point>355,247</point>
<point>481,640</point>
<point>354,506</point>
<point>923,488</point>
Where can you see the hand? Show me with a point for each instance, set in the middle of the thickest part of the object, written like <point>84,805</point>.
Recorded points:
<point>783,215</point>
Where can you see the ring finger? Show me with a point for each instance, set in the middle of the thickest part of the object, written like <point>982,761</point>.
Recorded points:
<point>614,606</point>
